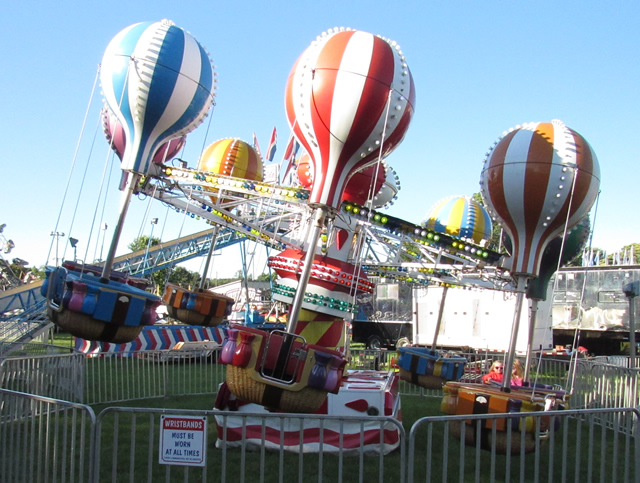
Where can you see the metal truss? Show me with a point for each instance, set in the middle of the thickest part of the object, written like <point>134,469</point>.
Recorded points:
<point>270,215</point>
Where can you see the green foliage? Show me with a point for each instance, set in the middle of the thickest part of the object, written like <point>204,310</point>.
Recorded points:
<point>266,277</point>
<point>142,242</point>
<point>410,252</point>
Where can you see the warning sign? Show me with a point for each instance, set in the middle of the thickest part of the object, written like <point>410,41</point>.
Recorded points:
<point>183,440</point>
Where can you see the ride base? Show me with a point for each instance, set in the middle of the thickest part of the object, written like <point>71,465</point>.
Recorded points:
<point>362,393</point>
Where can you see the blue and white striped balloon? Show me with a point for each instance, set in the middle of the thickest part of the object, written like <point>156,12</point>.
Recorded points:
<point>160,83</point>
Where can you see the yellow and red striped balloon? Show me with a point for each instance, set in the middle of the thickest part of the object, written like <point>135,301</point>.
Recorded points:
<point>232,157</point>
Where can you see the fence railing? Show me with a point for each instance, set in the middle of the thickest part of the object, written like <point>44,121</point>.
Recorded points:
<point>605,386</point>
<point>112,377</point>
<point>570,445</point>
<point>251,457</point>
<point>56,376</point>
<point>116,377</point>
<point>49,440</point>
<point>45,439</point>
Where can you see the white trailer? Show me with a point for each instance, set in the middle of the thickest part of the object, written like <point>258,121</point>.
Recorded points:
<point>479,319</point>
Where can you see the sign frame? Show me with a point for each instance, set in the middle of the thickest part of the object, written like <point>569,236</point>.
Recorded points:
<point>183,440</point>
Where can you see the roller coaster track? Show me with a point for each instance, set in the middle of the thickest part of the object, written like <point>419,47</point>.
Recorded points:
<point>168,254</point>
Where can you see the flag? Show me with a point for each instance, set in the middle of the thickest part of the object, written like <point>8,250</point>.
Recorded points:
<point>292,148</point>
<point>289,157</point>
<point>271,150</point>
<point>255,144</point>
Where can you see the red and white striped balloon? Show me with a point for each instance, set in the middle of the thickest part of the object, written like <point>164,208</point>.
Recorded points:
<point>349,93</point>
<point>359,187</point>
<point>538,178</point>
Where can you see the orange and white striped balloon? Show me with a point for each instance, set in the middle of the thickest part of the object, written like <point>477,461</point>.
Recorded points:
<point>539,179</point>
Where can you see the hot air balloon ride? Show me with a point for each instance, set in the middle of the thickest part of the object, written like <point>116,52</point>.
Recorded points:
<point>159,83</point>
<point>539,180</point>
<point>349,100</point>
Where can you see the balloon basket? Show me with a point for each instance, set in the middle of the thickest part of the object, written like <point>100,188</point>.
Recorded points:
<point>207,309</point>
<point>428,368</point>
<point>241,383</point>
<point>427,382</point>
<point>88,308</point>
<point>86,327</point>
<point>279,370</point>
<point>460,398</point>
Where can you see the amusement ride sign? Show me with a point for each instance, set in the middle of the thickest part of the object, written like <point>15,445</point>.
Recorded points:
<point>183,440</point>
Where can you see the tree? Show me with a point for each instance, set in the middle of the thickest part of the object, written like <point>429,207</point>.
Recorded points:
<point>142,242</point>
<point>624,256</point>
<point>265,277</point>
<point>185,278</point>
<point>632,253</point>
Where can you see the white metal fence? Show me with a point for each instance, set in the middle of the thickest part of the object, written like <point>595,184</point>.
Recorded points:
<point>597,440</point>
<point>575,447</point>
<point>44,439</point>
<point>139,431</point>
<point>114,377</point>
<point>48,440</point>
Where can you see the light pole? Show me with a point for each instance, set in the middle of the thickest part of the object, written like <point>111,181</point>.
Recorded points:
<point>57,234</point>
<point>632,290</point>
<point>154,222</point>
<point>73,242</point>
<point>104,233</point>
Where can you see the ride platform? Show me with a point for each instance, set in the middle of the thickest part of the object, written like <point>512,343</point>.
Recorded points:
<point>362,393</point>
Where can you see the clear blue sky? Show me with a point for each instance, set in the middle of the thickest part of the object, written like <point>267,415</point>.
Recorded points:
<point>479,68</point>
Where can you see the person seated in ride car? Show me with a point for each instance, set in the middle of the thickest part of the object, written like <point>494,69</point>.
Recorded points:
<point>495,374</point>
<point>517,373</point>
